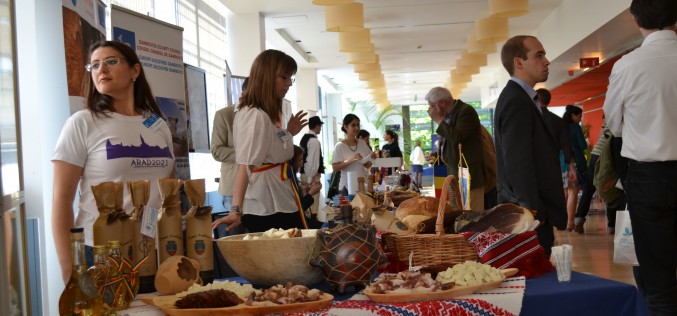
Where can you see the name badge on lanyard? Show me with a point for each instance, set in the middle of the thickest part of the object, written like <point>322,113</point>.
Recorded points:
<point>284,137</point>
<point>152,122</point>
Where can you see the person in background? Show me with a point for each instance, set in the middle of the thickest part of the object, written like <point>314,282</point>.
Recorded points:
<point>223,149</point>
<point>526,150</point>
<point>561,132</point>
<point>263,195</point>
<point>640,108</point>
<point>351,154</point>
<point>392,149</point>
<point>417,160</point>
<point>121,122</point>
<point>307,192</point>
<point>589,189</point>
<point>313,162</point>
<point>364,135</point>
<point>572,121</point>
<point>458,124</point>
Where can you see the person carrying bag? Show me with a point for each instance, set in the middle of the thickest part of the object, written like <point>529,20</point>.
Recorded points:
<point>624,244</point>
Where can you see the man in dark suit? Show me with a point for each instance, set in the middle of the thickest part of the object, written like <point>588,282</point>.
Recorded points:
<point>527,149</point>
<point>459,124</point>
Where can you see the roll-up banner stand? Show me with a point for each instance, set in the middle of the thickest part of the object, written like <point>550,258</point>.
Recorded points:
<point>160,49</point>
<point>84,23</point>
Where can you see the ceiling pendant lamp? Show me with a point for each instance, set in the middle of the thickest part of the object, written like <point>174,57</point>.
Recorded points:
<point>344,18</point>
<point>362,58</point>
<point>332,2</point>
<point>378,90</point>
<point>358,41</point>
<point>508,8</point>
<point>466,69</point>
<point>475,47</point>
<point>473,60</point>
<point>491,30</point>
<point>371,67</point>
<point>366,76</point>
<point>457,77</point>
<point>377,83</point>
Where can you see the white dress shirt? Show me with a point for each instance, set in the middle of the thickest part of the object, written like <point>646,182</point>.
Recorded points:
<point>417,157</point>
<point>641,100</point>
<point>313,158</point>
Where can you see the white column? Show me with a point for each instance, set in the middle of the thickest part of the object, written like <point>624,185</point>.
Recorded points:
<point>245,33</point>
<point>306,90</point>
<point>43,102</point>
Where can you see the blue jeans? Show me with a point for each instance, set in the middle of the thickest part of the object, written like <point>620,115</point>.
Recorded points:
<point>651,192</point>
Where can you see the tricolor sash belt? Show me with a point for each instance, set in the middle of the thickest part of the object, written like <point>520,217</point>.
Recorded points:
<point>287,174</point>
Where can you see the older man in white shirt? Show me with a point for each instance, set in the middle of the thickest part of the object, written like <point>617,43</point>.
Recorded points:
<point>641,107</point>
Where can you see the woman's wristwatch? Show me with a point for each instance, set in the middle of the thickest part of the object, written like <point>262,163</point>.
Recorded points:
<point>236,209</point>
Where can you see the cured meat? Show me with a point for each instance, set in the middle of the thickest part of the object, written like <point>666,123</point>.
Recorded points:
<point>505,218</point>
<point>209,299</point>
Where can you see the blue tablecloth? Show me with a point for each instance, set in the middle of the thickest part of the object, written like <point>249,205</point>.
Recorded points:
<point>584,295</point>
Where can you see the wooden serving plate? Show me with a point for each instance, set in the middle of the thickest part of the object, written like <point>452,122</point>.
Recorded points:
<point>439,295</point>
<point>166,304</point>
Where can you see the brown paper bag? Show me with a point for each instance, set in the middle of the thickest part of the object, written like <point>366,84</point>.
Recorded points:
<point>199,244</point>
<point>126,238</point>
<point>170,234</point>
<point>107,226</point>
<point>144,246</point>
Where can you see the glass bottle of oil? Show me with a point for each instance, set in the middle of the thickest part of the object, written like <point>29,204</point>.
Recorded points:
<point>80,296</point>
<point>117,285</point>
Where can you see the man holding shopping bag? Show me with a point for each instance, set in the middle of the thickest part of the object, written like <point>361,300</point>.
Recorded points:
<point>640,107</point>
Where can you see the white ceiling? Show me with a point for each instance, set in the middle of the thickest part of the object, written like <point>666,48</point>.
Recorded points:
<point>418,41</point>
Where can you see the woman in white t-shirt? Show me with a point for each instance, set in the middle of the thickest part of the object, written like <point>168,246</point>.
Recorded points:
<point>263,195</point>
<point>121,136</point>
<point>351,154</point>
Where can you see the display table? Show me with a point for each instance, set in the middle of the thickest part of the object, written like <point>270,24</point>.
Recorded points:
<point>584,295</point>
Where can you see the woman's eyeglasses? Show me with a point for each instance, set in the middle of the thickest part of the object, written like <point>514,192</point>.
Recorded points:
<point>112,61</point>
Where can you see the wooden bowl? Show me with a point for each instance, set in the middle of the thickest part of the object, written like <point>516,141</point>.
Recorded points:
<point>272,261</point>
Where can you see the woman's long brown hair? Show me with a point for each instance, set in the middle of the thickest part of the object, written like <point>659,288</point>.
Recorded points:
<point>260,91</point>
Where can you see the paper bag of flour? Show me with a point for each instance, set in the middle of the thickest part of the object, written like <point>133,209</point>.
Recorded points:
<point>199,244</point>
<point>170,234</point>
<point>144,221</point>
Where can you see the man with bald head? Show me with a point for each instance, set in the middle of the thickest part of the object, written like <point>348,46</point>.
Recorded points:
<point>527,150</point>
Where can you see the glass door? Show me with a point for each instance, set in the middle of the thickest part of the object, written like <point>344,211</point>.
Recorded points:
<point>13,280</point>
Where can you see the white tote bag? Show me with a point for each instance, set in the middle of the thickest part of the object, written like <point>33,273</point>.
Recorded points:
<point>624,245</point>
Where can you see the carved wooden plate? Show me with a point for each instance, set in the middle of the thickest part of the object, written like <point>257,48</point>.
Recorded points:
<point>439,295</point>
<point>166,304</point>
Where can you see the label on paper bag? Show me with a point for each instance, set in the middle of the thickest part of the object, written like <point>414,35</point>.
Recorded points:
<point>149,221</point>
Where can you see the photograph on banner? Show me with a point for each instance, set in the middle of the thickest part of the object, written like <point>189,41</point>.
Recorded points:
<point>174,112</point>
<point>80,30</point>
<point>196,102</point>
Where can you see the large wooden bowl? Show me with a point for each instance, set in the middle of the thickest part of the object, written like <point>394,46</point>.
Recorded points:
<point>272,261</point>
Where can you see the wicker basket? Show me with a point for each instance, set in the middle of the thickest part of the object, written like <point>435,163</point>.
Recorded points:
<point>438,249</point>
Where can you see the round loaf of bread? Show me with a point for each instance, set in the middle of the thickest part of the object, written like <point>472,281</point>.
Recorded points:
<point>421,205</point>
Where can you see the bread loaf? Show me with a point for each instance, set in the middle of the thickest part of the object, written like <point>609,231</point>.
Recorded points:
<point>422,205</point>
